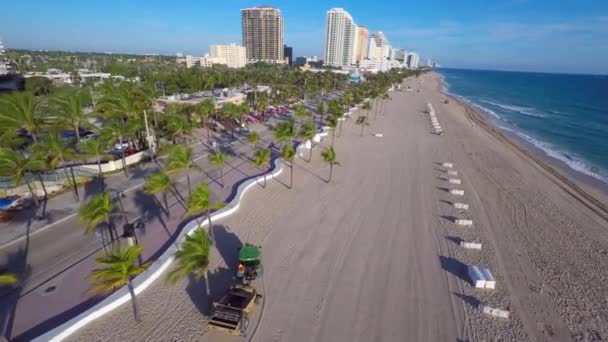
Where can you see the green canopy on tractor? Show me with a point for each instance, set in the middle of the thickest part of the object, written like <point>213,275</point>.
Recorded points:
<point>249,253</point>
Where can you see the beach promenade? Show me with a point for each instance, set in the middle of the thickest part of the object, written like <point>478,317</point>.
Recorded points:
<point>375,256</point>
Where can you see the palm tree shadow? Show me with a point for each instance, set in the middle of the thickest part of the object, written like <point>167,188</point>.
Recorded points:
<point>221,279</point>
<point>149,208</point>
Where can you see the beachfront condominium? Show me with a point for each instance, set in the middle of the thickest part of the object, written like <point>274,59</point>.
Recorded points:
<point>263,34</point>
<point>379,47</point>
<point>412,60</point>
<point>339,38</point>
<point>361,40</point>
<point>398,55</point>
<point>234,55</point>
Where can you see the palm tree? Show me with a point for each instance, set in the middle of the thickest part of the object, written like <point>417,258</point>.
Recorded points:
<point>116,270</point>
<point>288,154</point>
<point>96,148</point>
<point>329,156</point>
<point>219,158</point>
<point>116,131</point>
<point>362,121</point>
<point>200,202</point>
<point>181,160</point>
<point>192,257</point>
<point>253,138</point>
<point>70,110</point>
<point>332,122</point>
<point>204,110</point>
<point>22,111</point>
<point>367,106</point>
<point>260,160</point>
<point>302,113</point>
<point>284,131</point>
<point>307,132</point>
<point>16,165</point>
<point>98,210</point>
<point>159,183</point>
<point>57,153</point>
<point>178,126</point>
<point>321,108</point>
<point>8,279</point>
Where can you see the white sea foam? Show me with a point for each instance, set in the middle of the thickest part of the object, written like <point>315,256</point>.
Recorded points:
<point>528,111</point>
<point>571,160</point>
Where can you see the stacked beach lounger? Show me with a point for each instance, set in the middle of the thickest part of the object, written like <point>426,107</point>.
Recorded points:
<point>435,126</point>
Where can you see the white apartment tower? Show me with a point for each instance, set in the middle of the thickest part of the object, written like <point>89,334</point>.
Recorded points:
<point>412,60</point>
<point>3,68</point>
<point>379,47</point>
<point>361,41</point>
<point>340,30</point>
<point>234,55</point>
<point>263,36</point>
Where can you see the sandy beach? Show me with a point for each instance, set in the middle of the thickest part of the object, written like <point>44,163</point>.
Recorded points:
<point>374,255</point>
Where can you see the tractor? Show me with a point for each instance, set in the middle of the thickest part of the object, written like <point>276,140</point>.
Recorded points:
<point>250,264</point>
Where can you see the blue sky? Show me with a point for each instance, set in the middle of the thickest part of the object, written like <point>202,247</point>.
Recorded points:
<point>530,35</point>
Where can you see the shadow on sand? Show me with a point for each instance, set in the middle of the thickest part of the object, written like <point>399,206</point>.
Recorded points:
<point>219,280</point>
<point>454,267</point>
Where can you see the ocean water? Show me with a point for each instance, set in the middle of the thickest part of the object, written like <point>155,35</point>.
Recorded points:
<point>565,116</point>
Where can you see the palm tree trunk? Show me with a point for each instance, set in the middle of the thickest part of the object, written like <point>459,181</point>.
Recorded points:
<point>188,180</point>
<point>133,301</point>
<point>291,175</point>
<point>77,130</point>
<point>222,175</point>
<point>100,173</point>
<point>210,225</point>
<point>361,130</point>
<point>67,179</point>
<point>333,136</point>
<point>310,153</point>
<point>124,161</point>
<point>340,132</point>
<point>331,169</point>
<point>166,203</point>
<point>34,196</point>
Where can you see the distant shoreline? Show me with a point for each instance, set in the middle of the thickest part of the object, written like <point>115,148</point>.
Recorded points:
<point>536,153</point>
<point>583,187</point>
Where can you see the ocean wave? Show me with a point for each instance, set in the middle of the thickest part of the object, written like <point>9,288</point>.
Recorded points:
<point>573,161</point>
<point>528,111</point>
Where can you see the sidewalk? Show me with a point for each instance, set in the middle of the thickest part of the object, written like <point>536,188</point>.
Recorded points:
<point>59,259</point>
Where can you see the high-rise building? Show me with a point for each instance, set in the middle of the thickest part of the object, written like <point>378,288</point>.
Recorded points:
<point>234,55</point>
<point>339,38</point>
<point>361,40</point>
<point>379,47</point>
<point>263,34</point>
<point>3,67</point>
<point>412,60</point>
<point>398,55</point>
<point>288,53</point>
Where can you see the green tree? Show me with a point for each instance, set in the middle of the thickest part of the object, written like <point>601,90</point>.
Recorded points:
<point>159,183</point>
<point>260,160</point>
<point>204,110</point>
<point>302,113</point>
<point>332,122</point>
<point>219,158</point>
<point>116,270</point>
<point>307,132</point>
<point>96,148</point>
<point>321,108</point>
<point>22,111</point>
<point>38,85</point>
<point>284,131</point>
<point>182,160</point>
<point>200,202</point>
<point>362,121</point>
<point>253,138</point>
<point>367,107</point>
<point>192,257</point>
<point>16,165</point>
<point>97,211</point>
<point>329,156</point>
<point>70,111</point>
<point>57,154</point>
<point>288,154</point>
<point>178,126</point>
